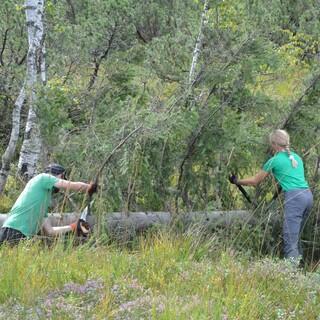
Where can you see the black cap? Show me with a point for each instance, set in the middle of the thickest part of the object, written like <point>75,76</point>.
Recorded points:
<point>55,169</point>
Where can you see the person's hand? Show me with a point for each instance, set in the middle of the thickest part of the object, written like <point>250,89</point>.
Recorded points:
<point>233,179</point>
<point>93,187</point>
<point>81,228</point>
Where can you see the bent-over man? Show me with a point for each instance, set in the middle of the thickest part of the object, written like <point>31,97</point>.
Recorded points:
<point>28,214</point>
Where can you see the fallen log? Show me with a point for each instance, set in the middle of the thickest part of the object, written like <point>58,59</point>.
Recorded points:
<point>125,227</point>
<point>134,222</point>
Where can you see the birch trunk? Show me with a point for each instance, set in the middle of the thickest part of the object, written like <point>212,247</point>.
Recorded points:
<point>132,222</point>
<point>43,73</point>
<point>31,147</point>
<point>197,49</point>
<point>11,148</point>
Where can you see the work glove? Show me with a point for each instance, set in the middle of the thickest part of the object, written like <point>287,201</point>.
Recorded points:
<point>93,187</point>
<point>55,190</point>
<point>233,179</point>
<point>81,228</point>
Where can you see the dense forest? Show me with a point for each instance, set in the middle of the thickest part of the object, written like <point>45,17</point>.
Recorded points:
<point>207,81</point>
<point>181,94</point>
<point>203,83</point>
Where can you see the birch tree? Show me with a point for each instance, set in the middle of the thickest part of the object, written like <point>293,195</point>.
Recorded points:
<point>31,147</point>
<point>197,48</point>
<point>9,153</point>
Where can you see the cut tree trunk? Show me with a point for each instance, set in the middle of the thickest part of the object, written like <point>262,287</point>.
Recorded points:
<point>121,225</point>
<point>123,228</point>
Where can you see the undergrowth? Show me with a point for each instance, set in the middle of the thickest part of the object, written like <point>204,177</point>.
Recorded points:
<point>161,276</point>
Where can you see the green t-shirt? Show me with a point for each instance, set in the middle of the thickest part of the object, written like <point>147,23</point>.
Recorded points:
<point>288,177</point>
<point>32,205</point>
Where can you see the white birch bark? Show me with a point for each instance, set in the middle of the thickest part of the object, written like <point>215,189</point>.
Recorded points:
<point>31,147</point>
<point>11,148</point>
<point>197,48</point>
<point>43,73</point>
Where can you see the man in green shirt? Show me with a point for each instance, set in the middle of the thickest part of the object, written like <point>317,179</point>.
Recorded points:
<point>287,168</point>
<point>27,216</point>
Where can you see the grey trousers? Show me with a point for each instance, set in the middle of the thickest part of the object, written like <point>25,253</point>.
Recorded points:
<point>297,206</point>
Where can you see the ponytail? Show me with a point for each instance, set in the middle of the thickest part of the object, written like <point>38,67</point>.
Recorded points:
<point>281,138</point>
<point>294,162</point>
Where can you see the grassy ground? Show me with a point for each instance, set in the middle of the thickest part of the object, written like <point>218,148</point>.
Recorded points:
<point>163,277</point>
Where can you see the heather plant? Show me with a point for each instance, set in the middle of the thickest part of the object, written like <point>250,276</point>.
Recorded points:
<point>165,276</point>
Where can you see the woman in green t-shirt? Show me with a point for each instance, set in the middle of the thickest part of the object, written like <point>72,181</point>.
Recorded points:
<point>287,168</point>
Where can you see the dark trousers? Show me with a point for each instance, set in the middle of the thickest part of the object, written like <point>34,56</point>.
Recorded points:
<point>10,235</point>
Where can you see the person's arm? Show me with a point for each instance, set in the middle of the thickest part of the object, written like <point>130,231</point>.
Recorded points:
<point>70,185</point>
<point>79,227</point>
<point>49,230</point>
<point>254,180</point>
<point>3,218</point>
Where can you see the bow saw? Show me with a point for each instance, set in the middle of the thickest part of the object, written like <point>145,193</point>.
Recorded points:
<point>87,211</point>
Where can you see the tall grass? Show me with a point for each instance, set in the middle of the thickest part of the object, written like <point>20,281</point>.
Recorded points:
<point>164,276</point>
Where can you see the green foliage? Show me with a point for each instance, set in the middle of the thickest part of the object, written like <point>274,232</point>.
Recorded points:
<point>54,107</point>
<point>114,65</point>
<point>11,192</point>
<point>6,203</point>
